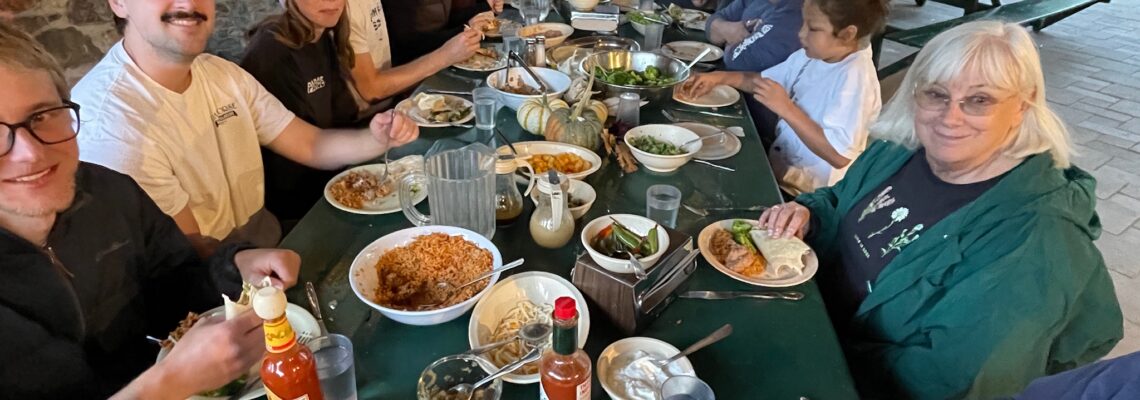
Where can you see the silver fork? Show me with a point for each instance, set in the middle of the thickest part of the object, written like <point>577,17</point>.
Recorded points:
<point>384,177</point>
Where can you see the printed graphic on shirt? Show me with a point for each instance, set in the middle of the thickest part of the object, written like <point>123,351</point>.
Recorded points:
<point>882,200</point>
<point>757,35</point>
<point>897,216</point>
<point>224,113</point>
<point>316,84</point>
<point>376,19</point>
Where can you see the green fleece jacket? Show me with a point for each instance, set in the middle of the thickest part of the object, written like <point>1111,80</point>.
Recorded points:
<point>1006,289</point>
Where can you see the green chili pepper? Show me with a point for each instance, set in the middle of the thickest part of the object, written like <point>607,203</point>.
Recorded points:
<point>626,237</point>
<point>651,244</point>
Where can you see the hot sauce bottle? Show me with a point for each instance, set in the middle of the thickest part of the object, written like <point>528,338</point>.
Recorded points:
<point>564,371</point>
<point>289,370</point>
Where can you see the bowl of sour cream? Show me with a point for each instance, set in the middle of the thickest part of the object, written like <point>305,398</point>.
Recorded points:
<point>627,371</point>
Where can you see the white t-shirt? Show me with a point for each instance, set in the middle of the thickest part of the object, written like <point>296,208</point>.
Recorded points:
<point>199,148</point>
<point>843,98</point>
<point>369,31</point>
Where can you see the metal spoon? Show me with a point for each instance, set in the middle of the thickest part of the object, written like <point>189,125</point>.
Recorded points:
<point>714,337</point>
<point>449,290</point>
<point>467,390</point>
<point>698,58</point>
<point>542,85</point>
<point>717,166</point>
<point>533,333</point>
<point>718,134</point>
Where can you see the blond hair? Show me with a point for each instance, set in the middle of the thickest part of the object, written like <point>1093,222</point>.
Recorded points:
<point>1003,55</point>
<point>19,50</point>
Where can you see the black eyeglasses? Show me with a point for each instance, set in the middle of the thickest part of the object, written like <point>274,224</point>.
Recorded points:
<point>50,126</point>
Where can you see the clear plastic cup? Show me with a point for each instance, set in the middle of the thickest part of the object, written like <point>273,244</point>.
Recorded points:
<point>661,204</point>
<point>335,367</point>
<point>684,387</point>
<point>652,39</point>
<point>486,105</point>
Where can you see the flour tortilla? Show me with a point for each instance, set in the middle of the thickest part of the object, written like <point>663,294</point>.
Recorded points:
<point>785,255</point>
<point>243,303</point>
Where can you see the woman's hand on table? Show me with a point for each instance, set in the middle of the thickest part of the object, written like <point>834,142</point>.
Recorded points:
<point>393,129</point>
<point>786,220</point>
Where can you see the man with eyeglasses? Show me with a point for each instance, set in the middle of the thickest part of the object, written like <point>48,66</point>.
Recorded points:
<point>187,126</point>
<point>89,265</point>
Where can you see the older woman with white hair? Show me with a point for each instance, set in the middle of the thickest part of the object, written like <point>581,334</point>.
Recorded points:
<point>958,257</point>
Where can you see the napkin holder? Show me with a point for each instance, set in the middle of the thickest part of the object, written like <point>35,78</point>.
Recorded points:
<point>633,304</point>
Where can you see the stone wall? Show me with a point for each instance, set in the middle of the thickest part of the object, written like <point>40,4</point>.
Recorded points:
<point>79,32</point>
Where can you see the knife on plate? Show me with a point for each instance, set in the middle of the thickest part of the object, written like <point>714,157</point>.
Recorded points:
<point>728,295</point>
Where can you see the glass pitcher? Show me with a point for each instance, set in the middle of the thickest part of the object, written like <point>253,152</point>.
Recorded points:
<point>460,182</point>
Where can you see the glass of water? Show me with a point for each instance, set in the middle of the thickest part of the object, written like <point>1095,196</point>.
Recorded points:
<point>486,105</point>
<point>335,367</point>
<point>533,11</point>
<point>661,204</point>
<point>652,39</point>
<point>684,387</point>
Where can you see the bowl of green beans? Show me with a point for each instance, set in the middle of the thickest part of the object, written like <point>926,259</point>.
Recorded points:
<point>659,147</point>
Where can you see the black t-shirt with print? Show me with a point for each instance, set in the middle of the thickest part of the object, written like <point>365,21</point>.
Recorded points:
<point>311,83</point>
<point>889,218</point>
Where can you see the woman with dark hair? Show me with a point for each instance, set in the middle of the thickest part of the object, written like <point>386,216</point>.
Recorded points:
<point>302,57</point>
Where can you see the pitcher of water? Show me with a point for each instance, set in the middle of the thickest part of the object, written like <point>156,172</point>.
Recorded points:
<point>460,180</point>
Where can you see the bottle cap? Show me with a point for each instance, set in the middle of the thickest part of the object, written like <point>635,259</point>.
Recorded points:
<point>269,303</point>
<point>565,308</point>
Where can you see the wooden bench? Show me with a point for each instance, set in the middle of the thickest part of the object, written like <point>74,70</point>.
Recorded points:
<point>1036,13</point>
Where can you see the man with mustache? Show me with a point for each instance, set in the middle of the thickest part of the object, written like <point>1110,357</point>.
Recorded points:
<point>89,266</point>
<point>187,126</point>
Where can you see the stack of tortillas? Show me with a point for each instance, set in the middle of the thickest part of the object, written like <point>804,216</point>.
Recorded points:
<point>785,255</point>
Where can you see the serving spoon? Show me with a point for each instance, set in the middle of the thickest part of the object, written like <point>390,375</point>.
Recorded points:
<point>532,334</point>
<point>449,290</point>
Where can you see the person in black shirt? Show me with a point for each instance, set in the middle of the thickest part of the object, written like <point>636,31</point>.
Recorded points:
<point>302,57</point>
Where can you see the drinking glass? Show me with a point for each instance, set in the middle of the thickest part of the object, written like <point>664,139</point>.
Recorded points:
<point>335,368</point>
<point>647,5</point>
<point>652,38</point>
<point>661,204</point>
<point>486,105</point>
<point>684,387</point>
<point>533,11</point>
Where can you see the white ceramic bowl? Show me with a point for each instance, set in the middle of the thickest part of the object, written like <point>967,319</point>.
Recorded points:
<point>566,31</point>
<point>538,287</point>
<point>639,225</point>
<point>666,133</point>
<point>363,278</point>
<point>579,190</point>
<point>651,346</point>
<point>558,82</point>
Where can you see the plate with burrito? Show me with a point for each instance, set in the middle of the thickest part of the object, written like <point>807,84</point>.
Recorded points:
<point>740,249</point>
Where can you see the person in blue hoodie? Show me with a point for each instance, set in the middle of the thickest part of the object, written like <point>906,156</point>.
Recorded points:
<point>756,34</point>
<point>1115,379</point>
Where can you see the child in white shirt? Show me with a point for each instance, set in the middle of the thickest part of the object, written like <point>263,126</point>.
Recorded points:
<point>826,94</point>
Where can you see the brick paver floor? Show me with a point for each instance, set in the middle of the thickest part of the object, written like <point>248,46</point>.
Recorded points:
<point>1092,70</point>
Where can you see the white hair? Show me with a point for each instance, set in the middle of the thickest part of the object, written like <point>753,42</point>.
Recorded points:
<point>1003,55</point>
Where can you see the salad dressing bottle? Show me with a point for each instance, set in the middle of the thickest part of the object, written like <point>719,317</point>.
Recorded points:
<point>552,225</point>
<point>289,370</point>
<point>564,371</point>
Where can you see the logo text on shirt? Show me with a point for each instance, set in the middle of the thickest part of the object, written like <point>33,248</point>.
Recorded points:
<point>224,113</point>
<point>316,84</point>
<point>740,48</point>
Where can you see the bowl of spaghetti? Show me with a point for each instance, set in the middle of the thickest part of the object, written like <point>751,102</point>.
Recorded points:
<point>516,301</point>
<point>398,274</point>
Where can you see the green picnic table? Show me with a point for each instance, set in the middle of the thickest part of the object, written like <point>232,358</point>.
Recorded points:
<point>779,350</point>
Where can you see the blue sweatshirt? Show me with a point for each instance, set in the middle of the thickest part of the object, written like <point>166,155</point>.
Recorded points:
<point>772,40</point>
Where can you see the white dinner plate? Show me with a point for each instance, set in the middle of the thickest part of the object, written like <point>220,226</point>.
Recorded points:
<point>415,114</point>
<point>300,320</point>
<point>688,50</point>
<point>714,149</point>
<point>719,96</point>
<point>704,242</point>
<point>387,204</point>
<point>502,63</point>
<point>553,148</point>
<point>694,19</point>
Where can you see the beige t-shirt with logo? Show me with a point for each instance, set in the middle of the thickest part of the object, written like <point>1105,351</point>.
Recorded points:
<point>369,31</point>
<point>198,149</point>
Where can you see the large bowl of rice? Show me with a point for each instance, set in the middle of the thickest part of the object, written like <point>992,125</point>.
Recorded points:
<point>398,272</point>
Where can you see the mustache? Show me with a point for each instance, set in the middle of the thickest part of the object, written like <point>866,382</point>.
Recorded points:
<point>184,15</point>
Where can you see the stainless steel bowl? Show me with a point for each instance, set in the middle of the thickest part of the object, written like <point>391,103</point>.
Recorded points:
<point>637,61</point>
<point>592,44</point>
